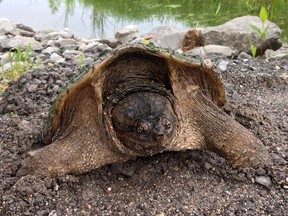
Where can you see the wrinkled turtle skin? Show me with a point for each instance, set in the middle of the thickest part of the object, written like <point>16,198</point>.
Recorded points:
<point>141,101</point>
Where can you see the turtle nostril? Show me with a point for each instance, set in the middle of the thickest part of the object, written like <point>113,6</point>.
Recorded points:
<point>160,136</point>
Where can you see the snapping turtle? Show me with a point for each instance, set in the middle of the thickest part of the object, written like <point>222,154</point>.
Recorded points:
<point>141,101</point>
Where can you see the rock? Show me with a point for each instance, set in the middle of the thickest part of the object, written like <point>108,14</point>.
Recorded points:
<point>67,44</point>
<point>24,27</point>
<point>26,41</point>
<point>235,33</point>
<point>280,54</point>
<point>167,37</point>
<point>91,47</point>
<point>7,44</point>
<point>244,55</point>
<point>6,67</point>
<point>219,50</point>
<point>65,33</point>
<point>6,26</point>
<point>56,88</point>
<point>113,43</point>
<point>103,47</point>
<point>57,58</point>
<point>127,34</point>
<point>32,88</point>
<point>4,59</point>
<point>264,180</point>
<point>27,33</point>
<point>212,49</point>
<point>50,50</point>
<point>2,37</point>
<point>46,35</point>
<point>208,166</point>
<point>70,53</point>
<point>197,51</point>
<point>223,65</point>
<point>43,35</point>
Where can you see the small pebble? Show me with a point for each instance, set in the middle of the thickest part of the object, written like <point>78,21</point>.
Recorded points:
<point>223,65</point>
<point>208,166</point>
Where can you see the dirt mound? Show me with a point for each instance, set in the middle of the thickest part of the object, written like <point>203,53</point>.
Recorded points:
<point>183,183</point>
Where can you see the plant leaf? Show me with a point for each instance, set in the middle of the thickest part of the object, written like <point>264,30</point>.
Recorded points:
<point>263,14</point>
<point>253,51</point>
<point>146,42</point>
<point>266,28</point>
<point>263,35</point>
<point>255,28</point>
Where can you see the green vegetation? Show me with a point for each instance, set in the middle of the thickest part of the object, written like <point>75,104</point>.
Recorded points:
<point>21,61</point>
<point>262,32</point>
<point>190,12</point>
<point>263,16</point>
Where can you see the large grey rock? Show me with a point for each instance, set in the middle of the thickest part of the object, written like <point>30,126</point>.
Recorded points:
<point>67,44</point>
<point>25,27</point>
<point>65,33</point>
<point>28,41</point>
<point>57,58</point>
<point>91,47</point>
<point>6,26</point>
<point>45,35</point>
<point>50,50</point>
<point>127,34</point>
<point>236,33</point>
<point>166,37</point>
<point>7,44</point>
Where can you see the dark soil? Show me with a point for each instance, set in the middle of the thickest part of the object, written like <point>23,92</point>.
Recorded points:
<point>172,183</point>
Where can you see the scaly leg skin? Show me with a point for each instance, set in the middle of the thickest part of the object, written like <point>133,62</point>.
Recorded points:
<point>75,154</point>
<point>227,137</point>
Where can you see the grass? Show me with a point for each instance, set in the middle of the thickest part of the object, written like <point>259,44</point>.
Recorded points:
<point>21,61</point>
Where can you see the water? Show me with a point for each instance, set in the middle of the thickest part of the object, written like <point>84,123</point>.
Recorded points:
<point>102,18</point>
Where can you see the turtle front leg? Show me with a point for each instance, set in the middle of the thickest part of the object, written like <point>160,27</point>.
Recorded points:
<point>226,137</point>
<point>75,154</point>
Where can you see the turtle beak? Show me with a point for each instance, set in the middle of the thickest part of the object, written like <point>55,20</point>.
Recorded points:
<point>160,137</point>
<point>159,133</point>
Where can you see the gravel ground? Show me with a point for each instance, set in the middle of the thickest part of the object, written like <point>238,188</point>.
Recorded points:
<point>172,183</point>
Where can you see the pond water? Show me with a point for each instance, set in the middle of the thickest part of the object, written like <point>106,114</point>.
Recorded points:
<point>102,18</point>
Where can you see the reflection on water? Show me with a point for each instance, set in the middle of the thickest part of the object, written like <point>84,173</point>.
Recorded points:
<point>102,18</point>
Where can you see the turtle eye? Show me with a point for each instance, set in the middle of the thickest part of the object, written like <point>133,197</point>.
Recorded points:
<point>165,122</point>
<point>141,127</point>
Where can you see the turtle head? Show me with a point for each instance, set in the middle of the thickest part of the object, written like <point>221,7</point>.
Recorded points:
<point>144,122</point>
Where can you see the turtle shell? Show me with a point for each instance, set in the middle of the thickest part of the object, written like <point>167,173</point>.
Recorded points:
<point>91,123</point>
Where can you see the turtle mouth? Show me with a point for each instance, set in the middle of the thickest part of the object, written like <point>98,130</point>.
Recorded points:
<point>155,146</point>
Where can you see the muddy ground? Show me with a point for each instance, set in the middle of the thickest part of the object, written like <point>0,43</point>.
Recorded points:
<point>172,183</point>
